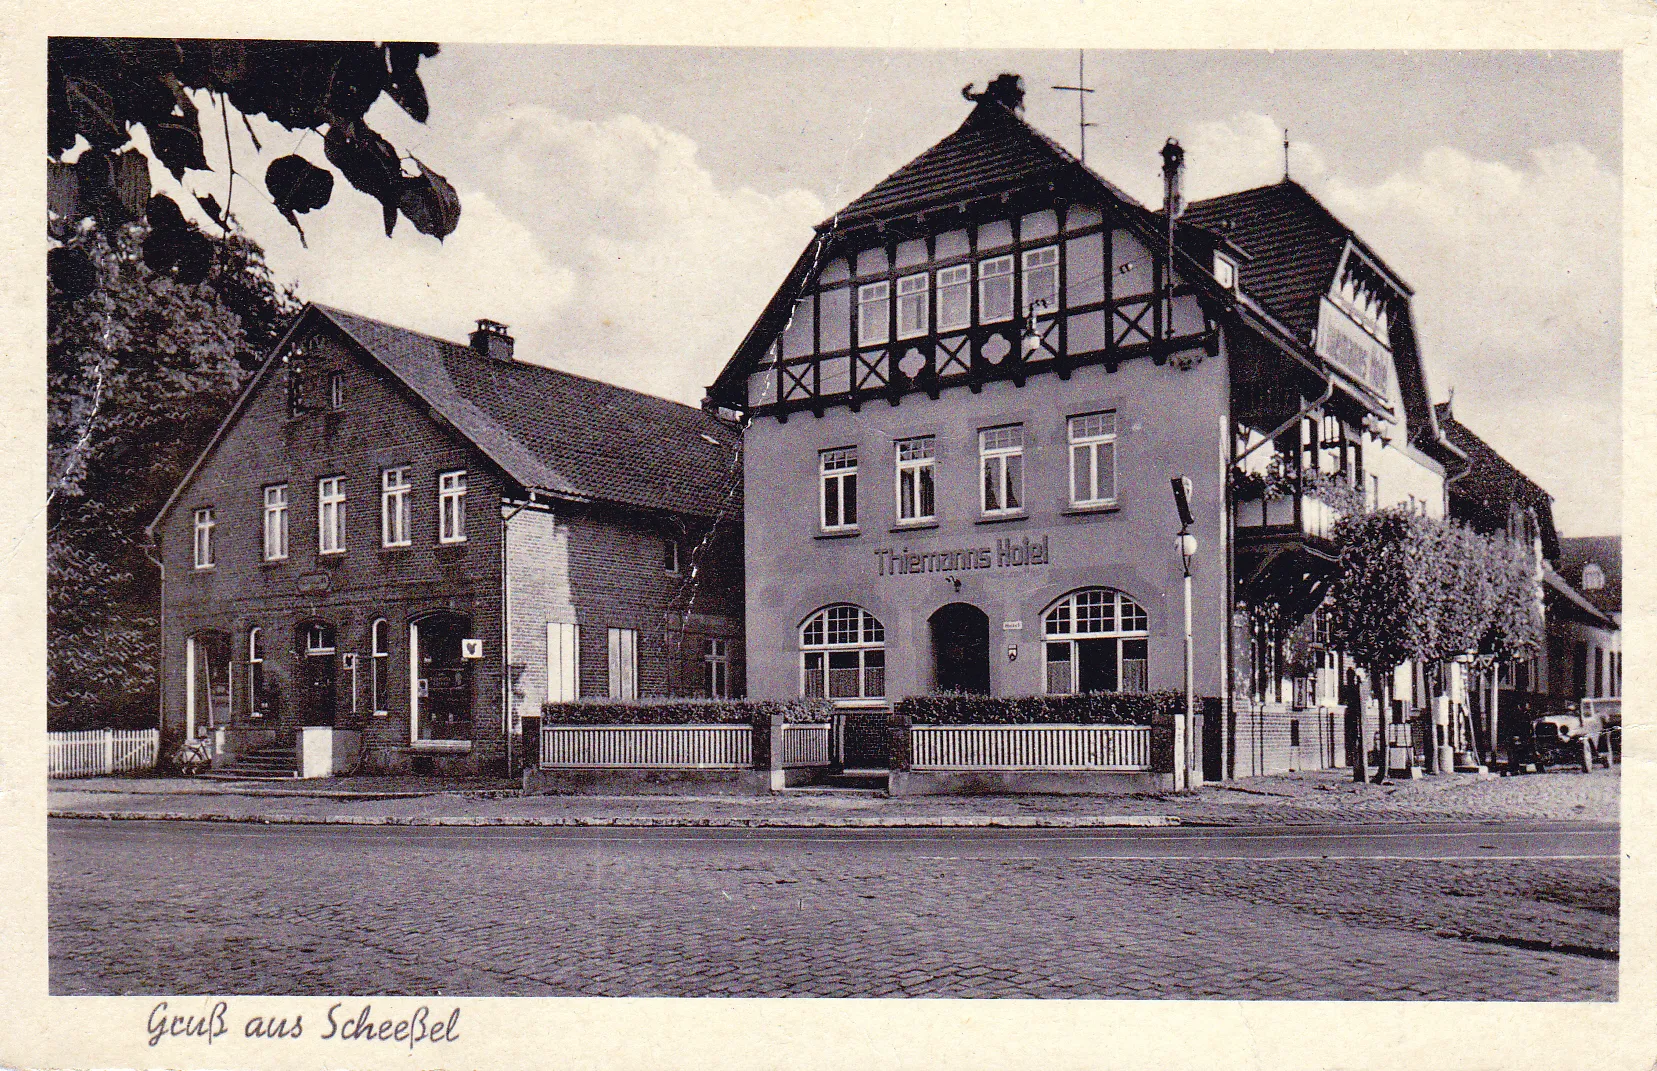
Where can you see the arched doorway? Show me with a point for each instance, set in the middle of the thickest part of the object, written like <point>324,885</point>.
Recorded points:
<point>317,675</point>
<point>442,701</point>
<point>961,649</point>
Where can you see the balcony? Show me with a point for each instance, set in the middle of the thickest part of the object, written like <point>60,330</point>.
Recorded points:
<point>1285,534</point>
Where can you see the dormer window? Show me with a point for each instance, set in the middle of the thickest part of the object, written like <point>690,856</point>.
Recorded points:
<point>1225,271</point>
<point>1593,577</point>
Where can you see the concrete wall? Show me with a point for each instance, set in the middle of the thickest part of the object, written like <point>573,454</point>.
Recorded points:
<point>1170,422</point>
<point>380,426</point>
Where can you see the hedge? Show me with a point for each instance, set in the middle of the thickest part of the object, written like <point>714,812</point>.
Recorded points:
<point>684,711</point>
<point>1094,708</point>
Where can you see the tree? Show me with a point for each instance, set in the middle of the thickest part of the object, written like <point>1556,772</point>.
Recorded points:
<point>141,368</point>
<point>102,89</point>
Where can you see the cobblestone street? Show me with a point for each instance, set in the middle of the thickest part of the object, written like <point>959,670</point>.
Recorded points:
<point>193,908</point>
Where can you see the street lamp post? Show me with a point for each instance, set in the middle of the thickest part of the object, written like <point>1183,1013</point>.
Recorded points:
<point>1187,550</point>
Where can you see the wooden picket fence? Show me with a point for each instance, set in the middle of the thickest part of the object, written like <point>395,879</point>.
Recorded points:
<point>101,751</point>
<point>685,747</point>
<point>1030,747</point>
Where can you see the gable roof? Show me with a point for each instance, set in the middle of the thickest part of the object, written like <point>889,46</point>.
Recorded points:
<point>1294,242</point>
<point>1491,482</point>
<point>1606,552</point>
<point>992,150</point>
<point>549,431</point>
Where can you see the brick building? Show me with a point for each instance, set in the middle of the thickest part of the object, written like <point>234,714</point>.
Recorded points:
<point>968,399</point>
<point>413,543</point>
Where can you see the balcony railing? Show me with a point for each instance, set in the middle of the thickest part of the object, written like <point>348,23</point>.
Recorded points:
<point>1313,511</point>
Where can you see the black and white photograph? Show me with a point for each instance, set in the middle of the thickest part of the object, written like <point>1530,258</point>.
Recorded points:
<point>957,524</point>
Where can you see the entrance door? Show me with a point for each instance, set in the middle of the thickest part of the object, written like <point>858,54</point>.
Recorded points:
<point>961,649</point>
<point>445,703</point>
<point>317,675</point>
<point>208,662</point>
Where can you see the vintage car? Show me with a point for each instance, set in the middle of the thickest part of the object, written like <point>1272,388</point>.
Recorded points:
<point>1580,733</point>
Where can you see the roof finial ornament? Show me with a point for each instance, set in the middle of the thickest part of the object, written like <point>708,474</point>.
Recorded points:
<point>1007,90</point>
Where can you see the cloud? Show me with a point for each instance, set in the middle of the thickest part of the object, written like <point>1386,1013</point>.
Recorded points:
<point>1516,272</point>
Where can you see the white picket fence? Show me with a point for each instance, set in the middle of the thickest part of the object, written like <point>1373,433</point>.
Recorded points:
<point>805,745</point>
<point>1030,747</point>
<point>682,747</point>
<point>101,751</point>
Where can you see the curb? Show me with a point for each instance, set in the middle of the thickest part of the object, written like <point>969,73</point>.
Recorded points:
<point>646,821</point>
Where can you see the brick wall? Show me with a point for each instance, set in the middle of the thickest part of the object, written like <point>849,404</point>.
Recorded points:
<point>1263,739</point>
<point>379,426</point>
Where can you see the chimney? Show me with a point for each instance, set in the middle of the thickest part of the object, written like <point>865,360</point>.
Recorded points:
<point>491,340</point>
<point>1173,171</point>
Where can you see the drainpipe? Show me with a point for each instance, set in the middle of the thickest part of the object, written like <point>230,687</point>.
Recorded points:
<point>161,660</point>
<point>506,632</point>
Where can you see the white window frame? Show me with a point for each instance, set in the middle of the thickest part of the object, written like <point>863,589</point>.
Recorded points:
<point>330,515</point>
<point>336,390</point>
<point>866,644</point>
<point>624,663</point>
<point>953,281</point>
<point>379,670</point>
<point>563,661</point>
<point>1061,626</point>
<point>914,302</point>
<point>1039,262</point>
<point>670,556</point>
<point>995,467</point>
<point>1225,271</point>
<point>396,528</point>
<point>718,660</point>
<point>874,330</point>
<point>255,669</point>
<point>915,458</point>
<point>1087,436</point>
<point>314,632</point>
<point>833,468</point>
<point>451,506</point>
<point>276,522</point>
<point>995,272</point>
<point>206,521</point>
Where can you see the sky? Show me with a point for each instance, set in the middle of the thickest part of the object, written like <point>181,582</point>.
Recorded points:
<point>629,210</point>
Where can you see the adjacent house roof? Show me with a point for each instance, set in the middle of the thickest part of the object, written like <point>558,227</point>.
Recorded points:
<point>1295,244</point>
<point>1577,553</point>
<point>1583,609</point>
<point>1492,482</point>
<point>547,430</point>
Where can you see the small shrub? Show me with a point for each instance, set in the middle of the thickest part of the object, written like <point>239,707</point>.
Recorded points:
<point>684,711</point>
<point>1094,708</point>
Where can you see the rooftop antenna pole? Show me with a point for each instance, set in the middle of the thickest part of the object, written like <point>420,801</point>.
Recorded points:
<point>1081,91</point>
<point>1285,154</point>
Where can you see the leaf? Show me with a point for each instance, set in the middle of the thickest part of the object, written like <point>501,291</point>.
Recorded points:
<point>430,203</point>
<point>132,182</point>
<point>210,205</point>
<point>177,144</point>
<point>297,185</point>
<point>94,112</point>
<point>404,85</point>
<point>367,160</point>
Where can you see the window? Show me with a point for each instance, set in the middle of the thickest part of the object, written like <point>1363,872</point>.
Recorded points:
<point>873,327</point>
<point>1001,463</point>
<point>563,661</point>
<point>995,290</point>
<point>319,639</point>
<point>1041,281</point>
<point>1593,577</point>
<point>913,302</point>
<point>954,297</point>
<point>394,508</point>
<point>336,391</point>
<point>276,522</point>
<point>330,515</point>
<point>1225,271</point>
<point>205,523</point>
<point>1093,459</point>
<point>624,663</point>
<point>1097,641</point>
<point>379,678</point>
<point>256,672</point>
<point>670,557</point>
<point>843,654</point>
<point>718,661</point>
<point>451,507</point>
<point>1599,671</point>
<point>917,500</point>
<point>838,470</point>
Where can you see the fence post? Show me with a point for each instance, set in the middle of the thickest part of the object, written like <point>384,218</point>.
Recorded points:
<point>109,751</point>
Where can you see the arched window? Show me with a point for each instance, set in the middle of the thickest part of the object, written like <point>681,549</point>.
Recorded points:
<point>843,654</point>
<point>1097,641</point>
<point>256,672</point>
<point>379,646</point>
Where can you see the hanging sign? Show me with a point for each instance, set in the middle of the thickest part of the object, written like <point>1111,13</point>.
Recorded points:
<point>1351,349</point>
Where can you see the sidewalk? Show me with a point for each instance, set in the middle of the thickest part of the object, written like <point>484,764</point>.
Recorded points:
<point>1323,797</point>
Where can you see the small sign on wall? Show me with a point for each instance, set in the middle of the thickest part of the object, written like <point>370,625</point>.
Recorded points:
<point>471,648</point>
<point>348,661</point>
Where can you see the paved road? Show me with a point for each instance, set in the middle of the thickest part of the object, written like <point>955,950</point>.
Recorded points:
<point>1483,911</point>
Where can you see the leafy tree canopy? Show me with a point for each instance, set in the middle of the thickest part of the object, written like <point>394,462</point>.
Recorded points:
<point>100,89</point>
